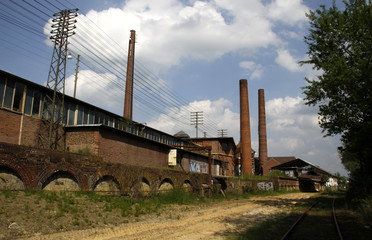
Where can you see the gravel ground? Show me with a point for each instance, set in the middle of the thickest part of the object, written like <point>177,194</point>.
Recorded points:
<point>213,221</point>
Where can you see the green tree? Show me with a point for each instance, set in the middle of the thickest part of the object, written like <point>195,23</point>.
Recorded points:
<point>340,46</point>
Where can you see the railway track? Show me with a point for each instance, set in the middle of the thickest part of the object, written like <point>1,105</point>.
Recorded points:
<point>300,222</point>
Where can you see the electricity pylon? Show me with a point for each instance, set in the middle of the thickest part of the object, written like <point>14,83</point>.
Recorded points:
<point>196,119</point>
<point>222,133</point>
<point>53,109</point>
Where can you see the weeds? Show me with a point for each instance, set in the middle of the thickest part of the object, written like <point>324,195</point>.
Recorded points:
<point>365,209</point>
<point>84,209</point>
<point>254,177</point>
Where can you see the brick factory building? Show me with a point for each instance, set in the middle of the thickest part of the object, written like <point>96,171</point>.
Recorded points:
<point>113,139</point>
<point>96,131</point>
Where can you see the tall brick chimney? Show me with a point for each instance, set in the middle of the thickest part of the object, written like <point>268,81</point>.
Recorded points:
<point>128,99</point>
<point>262,137</point>
<point>245,129</point>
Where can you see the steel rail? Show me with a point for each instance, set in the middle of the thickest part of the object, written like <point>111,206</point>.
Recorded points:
<point>297,221</point>
<point>335,220</point>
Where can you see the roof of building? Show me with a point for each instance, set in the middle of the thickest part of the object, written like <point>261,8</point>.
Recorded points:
<point>299,163</point>
<point>181,134</point>
<point>282,159</point>
<point>220,139</point>
<point>310,176</point>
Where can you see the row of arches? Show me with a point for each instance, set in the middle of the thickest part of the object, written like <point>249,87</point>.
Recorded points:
<point>64,180</point>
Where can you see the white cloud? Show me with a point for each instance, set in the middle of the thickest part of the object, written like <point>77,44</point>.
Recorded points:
<point>97,89</point>
<point>291,12</point>
<point>293,131</point>
<point>216,115</point>
<point>286,60</point>
<point>169,31</point>
<point>255,71</point>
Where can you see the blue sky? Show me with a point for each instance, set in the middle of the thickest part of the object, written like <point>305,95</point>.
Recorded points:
<point>190,56</point>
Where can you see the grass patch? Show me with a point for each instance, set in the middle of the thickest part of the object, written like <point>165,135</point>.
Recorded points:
<point>253,177</point>
<point>47,212</point>
<point>317,225</point>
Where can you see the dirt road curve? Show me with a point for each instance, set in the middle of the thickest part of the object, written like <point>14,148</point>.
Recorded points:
<point>214,221</point>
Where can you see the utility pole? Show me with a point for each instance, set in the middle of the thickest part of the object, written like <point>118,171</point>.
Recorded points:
<point>222,132</point>
<point>53,108</point>
<point>76,74</point>
<point>196,119</point>
<point>128,99</point>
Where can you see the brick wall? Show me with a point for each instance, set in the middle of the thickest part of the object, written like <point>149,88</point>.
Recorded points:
<point>120,147</point>
<point>34,131</point>
<point>217,149</point>
<point>30,131</point>
<point>268,165</point>
<point>84,138</point>
<point>36,167</point>
<point>117,147</point>
<point>9,126</point>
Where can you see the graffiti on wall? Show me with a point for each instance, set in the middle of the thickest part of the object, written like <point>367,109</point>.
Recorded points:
<point>265,186</point>
<point>198,167</point>
<point>194,166</point>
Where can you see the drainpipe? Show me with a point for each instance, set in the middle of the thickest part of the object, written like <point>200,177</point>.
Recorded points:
<point>22,115</point>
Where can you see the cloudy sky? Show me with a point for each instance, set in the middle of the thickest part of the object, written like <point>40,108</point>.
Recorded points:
<point>190,56</point>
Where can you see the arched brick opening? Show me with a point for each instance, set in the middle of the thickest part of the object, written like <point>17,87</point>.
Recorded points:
<point>166,185</point>
<point>61,181</point>
<point>187,186</point>
<point>140,188</point>
<point>10,179</point>
<point>20,171</point>
<point>221,183</point>
<point>107,185</point>
<point>67,171</point>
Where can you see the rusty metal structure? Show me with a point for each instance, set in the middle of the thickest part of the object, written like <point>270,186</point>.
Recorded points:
<point>63,26</point>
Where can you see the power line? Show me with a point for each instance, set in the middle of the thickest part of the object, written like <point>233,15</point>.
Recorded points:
<point>100,53</point>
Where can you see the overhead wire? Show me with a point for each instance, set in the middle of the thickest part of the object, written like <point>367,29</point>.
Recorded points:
<point>149,93</point>
<point>150,80</point>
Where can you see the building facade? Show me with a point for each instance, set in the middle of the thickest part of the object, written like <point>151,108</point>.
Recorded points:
<point>87,128</point>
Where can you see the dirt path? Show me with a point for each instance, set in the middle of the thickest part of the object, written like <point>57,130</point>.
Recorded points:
<point>214,221</point>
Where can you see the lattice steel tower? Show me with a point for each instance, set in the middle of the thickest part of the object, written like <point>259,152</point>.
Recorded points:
<point>53,109</point>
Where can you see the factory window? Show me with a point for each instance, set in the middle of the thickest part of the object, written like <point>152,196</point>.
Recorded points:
<point>91,117</point>
<point>96,117</point>
<point>82,115</point>
<point>46,109</point>
<point>80,111</point>
<point>28,102</point>
<point>71,114</point>
<point>99,118</point>
<point>36,103</point>
<point>2,87</point>
<point>116,123</point>
<point>85,116</point>
<point>18,97</point>
<point>65,113</point>
<point>106,122</point>
<point>226,165</point>
<point>8,98</point>
<point>58,113</point>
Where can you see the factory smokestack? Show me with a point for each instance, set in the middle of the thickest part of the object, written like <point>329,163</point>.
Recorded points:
<point>262,137</point>
<point>245,129</point>
<point>128,101</point>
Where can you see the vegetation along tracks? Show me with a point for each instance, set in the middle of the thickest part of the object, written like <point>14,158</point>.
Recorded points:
<point>321,213</point>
